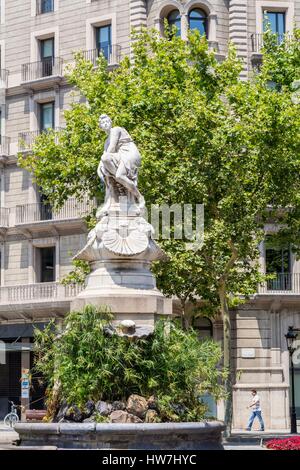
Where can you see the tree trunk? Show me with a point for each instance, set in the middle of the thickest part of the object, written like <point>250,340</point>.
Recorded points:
<point>184,319</point>
<point>227,357</point>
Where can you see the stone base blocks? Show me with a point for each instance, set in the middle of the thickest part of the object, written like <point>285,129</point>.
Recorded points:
<point>204,435</point>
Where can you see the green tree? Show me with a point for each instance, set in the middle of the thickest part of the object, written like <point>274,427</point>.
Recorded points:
<point>205,137</point>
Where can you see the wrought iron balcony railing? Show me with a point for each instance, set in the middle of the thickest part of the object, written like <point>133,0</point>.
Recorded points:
<point>44,6</point>
<point>257,40</point>
<point>111,53</point>
<point>26,139</point>
<point>4,146</point>
<point>38,212</point>
<point>49,67</point>
<point>285,283</point>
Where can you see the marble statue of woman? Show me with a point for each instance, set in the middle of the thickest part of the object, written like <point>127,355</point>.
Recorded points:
<point>118,167</point>
<point>118,232</point>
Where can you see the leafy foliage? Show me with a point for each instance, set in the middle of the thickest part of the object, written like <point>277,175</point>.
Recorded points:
<point>88,363</point>
<point>205,137</point>
<point>78,274</point>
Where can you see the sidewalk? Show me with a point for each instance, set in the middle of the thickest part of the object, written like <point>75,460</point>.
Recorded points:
<point>253,440</point>
<point>7,435</point>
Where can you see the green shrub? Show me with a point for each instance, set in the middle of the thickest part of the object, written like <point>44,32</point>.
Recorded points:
<point>88,363</point>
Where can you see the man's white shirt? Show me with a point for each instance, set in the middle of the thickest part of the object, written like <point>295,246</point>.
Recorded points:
<point>256,402</point>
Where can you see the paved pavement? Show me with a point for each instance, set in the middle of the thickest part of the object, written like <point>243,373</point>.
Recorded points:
<point>7,435</point>
<point>252,440</point>
<point>239,446</point>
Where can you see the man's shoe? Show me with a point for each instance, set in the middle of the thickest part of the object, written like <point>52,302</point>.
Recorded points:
<point>247,429</point>
<point>261,430</point>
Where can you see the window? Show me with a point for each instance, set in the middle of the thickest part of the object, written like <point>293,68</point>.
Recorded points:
<point>46,116</point>
<point>174,19</point>
<point>47,56</point>
<point>198,20</point>
<point>278,263</point>
<point>45,209</point>
<point>204,327</point>
<point>44,6</point>
<point>275,21</point>
<point>46,258</point>
<point>103,40</point>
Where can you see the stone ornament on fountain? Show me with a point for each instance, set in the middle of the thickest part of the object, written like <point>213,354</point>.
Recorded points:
<point>121,248</point>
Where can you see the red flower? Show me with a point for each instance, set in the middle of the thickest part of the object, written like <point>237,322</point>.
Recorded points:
<point>289,443</point>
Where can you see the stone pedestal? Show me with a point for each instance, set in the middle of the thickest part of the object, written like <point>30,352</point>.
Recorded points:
<point>120,250</point>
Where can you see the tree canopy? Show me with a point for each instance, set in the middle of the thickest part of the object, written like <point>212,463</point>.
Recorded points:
<point>205,137</point>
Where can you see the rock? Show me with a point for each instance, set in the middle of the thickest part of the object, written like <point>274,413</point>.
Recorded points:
<point>178,408</point>
<point>152,403</point>
<point>88,409</point>
<point>91,419</point>
<point>120,416</point>
<point>118,405</point>
<point>61,412</point>
<point>127,326</point>
<point>137,405</point>
<point>68,413</point>
<point>151,416</point>
<point>103,408</point>
<point>74,414</point>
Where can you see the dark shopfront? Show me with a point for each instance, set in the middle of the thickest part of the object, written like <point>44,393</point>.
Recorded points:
<point>15,355</point>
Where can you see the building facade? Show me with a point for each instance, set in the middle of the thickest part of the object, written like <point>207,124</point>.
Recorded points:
<point>37,41</point>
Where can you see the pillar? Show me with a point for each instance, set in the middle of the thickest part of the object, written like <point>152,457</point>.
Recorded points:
<point>184,26</point>
<point>2,257</point>
<point>238,31</point>
<point>57,259</point>
<point>31,276</point>
<point>25,364</point>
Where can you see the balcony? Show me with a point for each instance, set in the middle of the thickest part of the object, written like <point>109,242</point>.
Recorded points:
<point>44,6</point>
<point>4,220</point>
<point>42,74</point>
<point>3,85</point>
<point>282,284</point>
<point>257,43</point>
<point>38,300</point>
<point>3,78</point>
<point>4,147</point>
<point>111,53</point>
<point>39,217</point>
<point>26,139</point>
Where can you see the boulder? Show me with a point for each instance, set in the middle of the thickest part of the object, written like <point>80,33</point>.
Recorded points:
<point>103,408</point>
<point>152,403</point>
<point>120,416</point>
<point>88,409</point>
<point>61,412</point>
<point>137,405</point>
<point>118,405</point>
<point>151,416</point>
<point>178,408</point>
<point>90,419</point>
<point>74,414</point>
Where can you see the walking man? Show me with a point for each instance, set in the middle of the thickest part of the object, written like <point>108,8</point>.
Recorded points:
<point>256,411</point>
